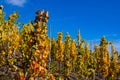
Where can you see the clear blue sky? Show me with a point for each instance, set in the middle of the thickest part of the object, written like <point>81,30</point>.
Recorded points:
<point>94,18</point>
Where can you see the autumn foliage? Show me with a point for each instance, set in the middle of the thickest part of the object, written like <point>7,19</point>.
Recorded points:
<point>30,54</point>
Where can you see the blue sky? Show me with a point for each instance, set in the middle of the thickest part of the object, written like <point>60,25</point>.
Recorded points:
<point>94,18</point>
